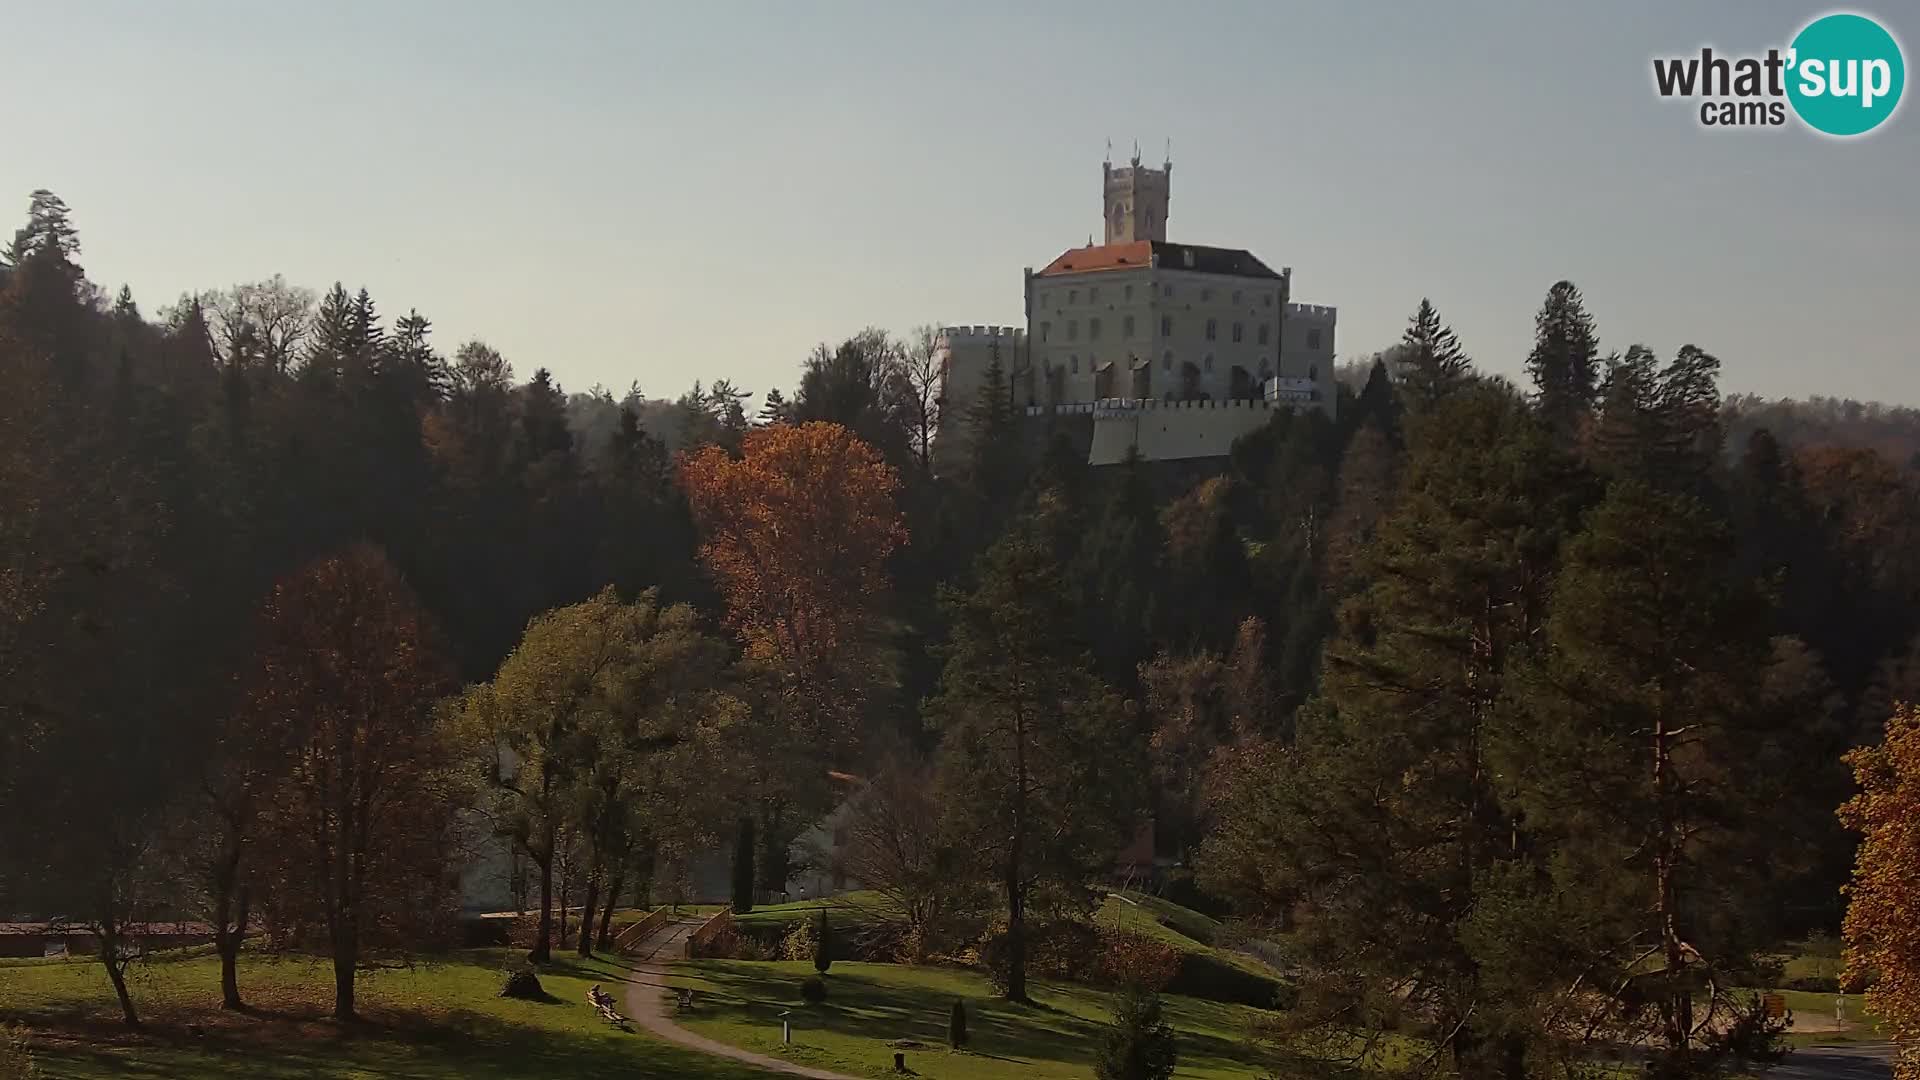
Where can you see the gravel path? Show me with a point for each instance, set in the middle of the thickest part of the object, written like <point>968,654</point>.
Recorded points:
<point>649,1003</point>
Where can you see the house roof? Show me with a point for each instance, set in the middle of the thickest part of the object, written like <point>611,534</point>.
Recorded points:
<point>1231,262</point>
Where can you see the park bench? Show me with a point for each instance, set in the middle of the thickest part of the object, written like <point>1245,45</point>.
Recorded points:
<point>602,1003</point>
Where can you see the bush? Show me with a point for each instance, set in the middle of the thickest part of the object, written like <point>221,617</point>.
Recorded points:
<point>1137,961</point>
<point>525,985</point>
<point>16,1061</point>
<point>797,944</point>
<point>1138,1044</point>
<point>957,1025</point>
<point>813,989</point>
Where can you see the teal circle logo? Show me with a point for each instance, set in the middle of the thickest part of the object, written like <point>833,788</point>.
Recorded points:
<point>1845,74</point>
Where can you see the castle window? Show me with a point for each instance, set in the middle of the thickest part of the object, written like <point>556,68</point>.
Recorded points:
<point>1126,326</point>
<point>1166,326</point>
<point>1166,361</point>
<point>1166,290</point>
<point>1236,297</point>
<point>1129,292</point>
<point>1313,339</point>
<point>1093,295</point>
<point>1073,296</point>
<point>1263,333</point>
<point>1093,329</point>
<point>1206,295</point>
<point>1045,327</point>
<point>1236,333</point>
<point>1313,372</point>
<point>1074,365</point>
<point>1208,365</point>
<point>1213,329</point>
<point>1073,330</point>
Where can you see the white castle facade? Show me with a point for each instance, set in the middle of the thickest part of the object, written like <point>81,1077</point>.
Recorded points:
<point>1174,349</point>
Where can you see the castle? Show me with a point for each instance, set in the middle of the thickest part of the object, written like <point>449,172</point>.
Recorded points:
<point>1174,349</point>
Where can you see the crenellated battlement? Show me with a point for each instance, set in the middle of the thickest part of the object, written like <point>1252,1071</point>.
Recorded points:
<point>977,332</point>
<point>1316,312</point>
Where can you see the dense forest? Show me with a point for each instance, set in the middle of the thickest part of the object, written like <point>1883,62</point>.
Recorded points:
<point>1520,711</point>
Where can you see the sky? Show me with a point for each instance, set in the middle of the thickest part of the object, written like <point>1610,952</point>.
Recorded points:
<point>627,192</point>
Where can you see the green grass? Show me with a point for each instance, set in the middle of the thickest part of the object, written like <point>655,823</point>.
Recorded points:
<point>438,1021</point>
<point>849,909</point>
<point>870,1005</point>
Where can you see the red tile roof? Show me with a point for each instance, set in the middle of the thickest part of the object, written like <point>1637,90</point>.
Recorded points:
<point>1231,262</point>
<point>1104,257</point>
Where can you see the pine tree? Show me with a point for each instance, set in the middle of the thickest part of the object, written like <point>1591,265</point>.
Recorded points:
<point>957,1025</point>
<point>1138,1044</point>
<point>1384,814</point>
<point>1634,749</point>
<point>1564,363</point>
<point>1116,574</point>
<point>1045,765</point>
<point>1432,363</point>
<point>775,410</point>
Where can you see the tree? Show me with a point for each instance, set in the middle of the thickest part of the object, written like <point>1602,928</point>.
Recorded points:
<point>898,845</point>
<point>1116,573</point>
<point>775,410</point>
<point>529,723</point>
<point>1383,816</point>
<point>1431,361</point>
<point>796,532</point>
<point>1648,761</point>
<point>1882,935</point>
<point>48,231</point>
<point>1138,1044</point>
<point>822,942</point>
<point>920,379</point>
<point>1041,761</point>
<point>361,828</point>
<point>1564,363</point>
<point>860,385</point>
<point>957,1025</point>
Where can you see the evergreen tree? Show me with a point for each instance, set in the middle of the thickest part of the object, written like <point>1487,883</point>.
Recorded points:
<point>1564,363</point>
<point>1384,817</point>
<point>1633,748</point>
<point>775,410</point>
<point>957,1025</point>
<point>1432,363</point>
<point>822,942</point>
<point>1116,574</point>
<point>1138,1044</point>
<point>1045,766</point>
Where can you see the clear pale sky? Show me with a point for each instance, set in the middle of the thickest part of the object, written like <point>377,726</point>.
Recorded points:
<point>624,191</point>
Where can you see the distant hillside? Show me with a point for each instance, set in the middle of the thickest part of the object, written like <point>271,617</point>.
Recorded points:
<point>1893,430</point>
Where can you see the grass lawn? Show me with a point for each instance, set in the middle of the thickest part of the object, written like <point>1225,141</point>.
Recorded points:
<point>443,1020</point>
<point>870,1005</point>
<point>848,910</point>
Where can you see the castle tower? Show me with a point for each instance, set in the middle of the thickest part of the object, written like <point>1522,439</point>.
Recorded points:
<point>1135,201</point>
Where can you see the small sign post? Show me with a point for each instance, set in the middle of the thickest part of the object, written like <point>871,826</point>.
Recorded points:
<point>1776,1006</point>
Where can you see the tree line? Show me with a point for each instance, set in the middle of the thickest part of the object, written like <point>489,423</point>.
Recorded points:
<point>1519,713</point>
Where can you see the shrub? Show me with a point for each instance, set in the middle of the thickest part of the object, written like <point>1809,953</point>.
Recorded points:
<point>797,944</point>
<point>1204,975</point>
<point>16,1061</point>
<point>523,984</point>
<point>957,1025</point>
<point>813,989</point>
<point>1138,1044</point>
<point>1137,961</point>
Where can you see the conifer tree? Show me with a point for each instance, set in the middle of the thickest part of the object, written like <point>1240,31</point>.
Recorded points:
<point>1045,765</point>
<point>1432,363</point>
<point>1634,748</point>
<point>1138,1044</point>
<point>1565,360</point>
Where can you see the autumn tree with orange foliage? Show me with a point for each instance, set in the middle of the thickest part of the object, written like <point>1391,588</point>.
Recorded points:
<point>1882,927</point>
<point>796,532</point>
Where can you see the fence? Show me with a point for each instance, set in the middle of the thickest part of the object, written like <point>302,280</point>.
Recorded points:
<point>720,924</point>
<point>635,933</point>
